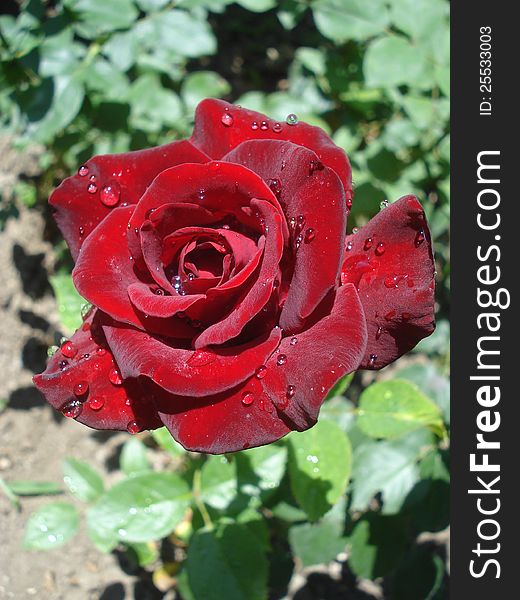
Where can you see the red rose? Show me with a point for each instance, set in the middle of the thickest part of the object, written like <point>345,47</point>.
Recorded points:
<point>227,297</point>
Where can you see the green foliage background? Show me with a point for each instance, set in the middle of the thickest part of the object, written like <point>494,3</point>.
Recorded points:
<point>83,77</point>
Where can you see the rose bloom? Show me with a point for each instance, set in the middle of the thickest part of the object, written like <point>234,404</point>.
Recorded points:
<point>226,297</point>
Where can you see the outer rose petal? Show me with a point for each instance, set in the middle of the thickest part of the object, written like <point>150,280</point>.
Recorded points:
<point>121,404</point>
<point>104,272</point>
<point>184,372</point>
<point>317,195</point>
<point>331,348</point>
<point>129,174</point>
<point>396,287</point>
<point>222,423</point>
<point>215,138</point>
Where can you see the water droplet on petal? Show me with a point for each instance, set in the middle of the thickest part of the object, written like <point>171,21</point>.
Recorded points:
<point>110,194</point>
<point>81,388</point>
<point>310,234</point>
<point>380,249</point>
<point>227,120</point>
<point>291,119</point>
<point>63,364</point>
<point>419,238</point>
<point>254,125</point>
<point>72,409</point>
<point>83,171</point>
<point>294,341</point>
<point>92,188</point>
<point>261,372</point>
<point>68,349</point>
<point>133,428</point>
<point>315,165</point>
<point>291,389</point>
<point>114,376</point>
<point>96,403</point>
<point>275,186</point>
<point>383,204</point>
<point>379,332</point>
<point>372,359</point>
<point>51,350</point>
<point>283,165</point>
<point>201,358</point>
<point>355,230</point>
<point>368,243</point>
<point>81,231</point>
<point>159,292</point>
<point>248,398</point>
<point>298,241</point>
<point>281,360</point>
<point>264,126</point>
<point>392,282</point>
<point>348,247</point>
<point>277,127</point>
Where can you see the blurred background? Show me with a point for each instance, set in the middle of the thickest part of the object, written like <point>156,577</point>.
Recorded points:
<point>84,77</point>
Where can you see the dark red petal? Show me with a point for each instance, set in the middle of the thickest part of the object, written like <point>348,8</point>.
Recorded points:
<point>184,372</point>
<point>79,208</point>
<point>216,139</point>
<point>103,405</point>
<point>104,271</point>
<point>224,422</point>
<point>315,359</point>
<point>147,302</point>
<point>395,281</point>
<point>314,195</point>
<point>257,296</point>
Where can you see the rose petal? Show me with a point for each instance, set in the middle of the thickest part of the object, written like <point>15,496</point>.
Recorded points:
<point>216,139</point>
<point>315,359</point>
<point>184,372</point>
<point>224,422</point>
<point>79,211</point>
<point>314,194</point>
<point>257,296</point>
<point>395,281</point>
<point>104,271</point>
<point>104,405</point>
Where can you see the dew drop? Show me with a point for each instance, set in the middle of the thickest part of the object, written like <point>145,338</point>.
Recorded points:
<point>276,187</point>
<point>355,230</point>
<point>261,372</point>
<point>277,127</point>
<point>419,238</point>
<point>254,125</point>
<point>281,360</point>
<point>92,177</point>
<point>291,389</point>
<point>81,388</point>
<point>51,351</point>
<point>227,120</point>
<point>101,351</point>
<point>291,119</point>
<point>68,349</point>
<point>315,165</point>
<point>383,204</point>
<point>294,341</point>
<point>391,282</point>
<point>379,332</point>
<point>368,243</point>
<point>200,358</point>
<point>264,126</point>
<point>133,428</point>
<point>92,188</point>
<point>110,194</point>
<point>83,171</point>
<point>114,376</point>
<point>283,165</point>
<point>96,403</point>
<point>81,231</point>
<point>159,292</point>
<point>348,247</point>
<point>380,249</point>
<point>310,234</point>
<point>298,241</point>
<point>248,398</point>
<point>72,409</point>
<point>63,364</point>
<point>372,359</point>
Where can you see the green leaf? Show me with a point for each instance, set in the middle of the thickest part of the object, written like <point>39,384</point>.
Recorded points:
<point>140,509</point>
<point>133,460</point>
<point>66,103</point>
<point>421,575</point>
<point>99,16</point>
<point>418,18</point>
<point>377,545</point>
<point>51,526</point>
<point>341,386</point>
<point>68,300</point>
<point>34,488</point>
<point>256,524</point>
<point>260,470</point>
<point>257,5</point>
<point>178,32</point>
<point>122,50</point>
<point>164,439</point>
<point>389,467</point>
<point>218,482</point>
<point>83,481</point>
<point>343,20</point>
<point>144,553</point>
<point>151,5</point>
<point>227,562</point>
<point>394,60</point>
<point>320,461</point>
<point>316,543</point>
<point>153,106</point>
<point>389,409</point>
<point>59,54</point>
<point>341,411</point>
<point>203,84</point>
